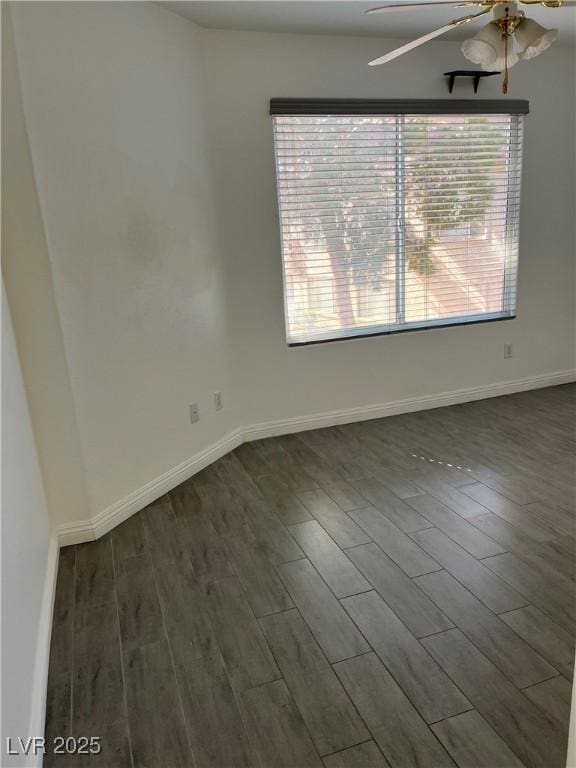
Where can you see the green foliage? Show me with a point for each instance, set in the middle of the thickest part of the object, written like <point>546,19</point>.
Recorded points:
<point>442,190</point>
<point>440,195</point>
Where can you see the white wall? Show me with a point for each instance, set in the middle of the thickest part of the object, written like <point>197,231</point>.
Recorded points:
<point>28,278</point>
<point>245,70</point>
<point>571,757</point>
<point>29,547</point>
<point>114,107</point>
<point>154,273</point>
<point>28,561</point>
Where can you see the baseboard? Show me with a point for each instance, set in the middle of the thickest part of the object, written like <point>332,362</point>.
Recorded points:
<point>75,533</point>
<point>41,662</point>
<point>406,405</point>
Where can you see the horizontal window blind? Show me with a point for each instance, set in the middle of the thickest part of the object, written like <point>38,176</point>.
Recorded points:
<point>395,222</point>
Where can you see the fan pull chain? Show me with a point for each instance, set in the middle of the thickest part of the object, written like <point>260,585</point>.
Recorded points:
<point>505,31</point>
<point>505,81</point>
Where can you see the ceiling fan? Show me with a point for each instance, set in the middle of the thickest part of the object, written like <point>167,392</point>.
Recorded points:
<point>493,46</point>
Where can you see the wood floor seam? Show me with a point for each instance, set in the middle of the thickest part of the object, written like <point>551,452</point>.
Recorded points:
<point>121,657</point>
<point>171,655</point>
<point>328,599</point>
<point>72,646</point>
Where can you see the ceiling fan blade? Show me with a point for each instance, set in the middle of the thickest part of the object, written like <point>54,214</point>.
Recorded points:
<point>411,6</point>
<point>551,3</point>
<point>424,39</point>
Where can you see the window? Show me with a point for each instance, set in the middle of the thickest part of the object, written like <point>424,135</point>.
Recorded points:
<point>396,216</point>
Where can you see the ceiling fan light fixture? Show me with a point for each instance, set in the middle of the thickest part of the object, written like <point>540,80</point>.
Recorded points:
<point>533,38</point>
<point>485,46</point>
<point>502,62</point>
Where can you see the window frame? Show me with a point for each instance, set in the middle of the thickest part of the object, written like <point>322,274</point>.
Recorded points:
<point>399,109</point>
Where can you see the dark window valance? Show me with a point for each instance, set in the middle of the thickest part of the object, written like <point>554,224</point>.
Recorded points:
<point>399,106</point>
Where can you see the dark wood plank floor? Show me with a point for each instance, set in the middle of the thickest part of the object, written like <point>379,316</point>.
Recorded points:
<point>396,593</point>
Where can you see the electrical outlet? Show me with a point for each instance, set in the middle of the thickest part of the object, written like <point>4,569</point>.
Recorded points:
<point>218,401</point>
<point>194,413</point>
<point>507,350</point>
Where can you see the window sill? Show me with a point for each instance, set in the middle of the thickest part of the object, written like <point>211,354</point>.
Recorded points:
<point>452,322</point>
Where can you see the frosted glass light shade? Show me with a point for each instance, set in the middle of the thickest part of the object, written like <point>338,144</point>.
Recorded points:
<point>487,48</point>
<point>483,47</point>
<point>533,38</point>
<point>499,62</point>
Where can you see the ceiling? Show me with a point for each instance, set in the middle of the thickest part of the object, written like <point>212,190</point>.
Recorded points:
<point>346,17</point>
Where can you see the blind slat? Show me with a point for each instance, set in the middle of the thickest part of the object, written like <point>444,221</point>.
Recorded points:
<point>399,220</point>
